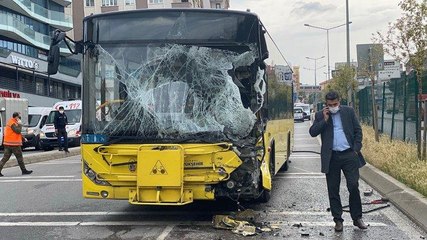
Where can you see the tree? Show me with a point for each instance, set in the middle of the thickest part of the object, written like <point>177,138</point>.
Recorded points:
<point>368,68</point>
<point>343,81</point>
<point>405,40</point>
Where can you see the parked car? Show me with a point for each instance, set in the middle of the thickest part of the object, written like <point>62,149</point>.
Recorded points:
<point>298,114</point>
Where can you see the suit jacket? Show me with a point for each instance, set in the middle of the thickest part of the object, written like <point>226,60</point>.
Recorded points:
<point>352,131</point>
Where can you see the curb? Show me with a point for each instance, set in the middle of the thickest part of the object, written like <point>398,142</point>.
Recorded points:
<point>407,200</point>
<point>43,156</point>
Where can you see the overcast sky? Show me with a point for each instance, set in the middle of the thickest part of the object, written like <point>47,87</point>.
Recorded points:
<point>285,21</point>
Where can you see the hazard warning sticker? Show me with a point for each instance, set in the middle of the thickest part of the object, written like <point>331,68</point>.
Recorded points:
<point>159,169</point>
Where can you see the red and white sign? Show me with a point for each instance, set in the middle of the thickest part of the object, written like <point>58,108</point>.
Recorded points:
<point>9,94</point>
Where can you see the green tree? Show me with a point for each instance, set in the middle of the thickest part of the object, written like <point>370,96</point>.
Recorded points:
<point>405,40</point>
<point>368,68</point>
<point>343,81</point>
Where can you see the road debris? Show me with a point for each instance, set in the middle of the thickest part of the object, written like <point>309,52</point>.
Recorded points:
<point>244,223</point>
<point>368,192</point>
<point>304,233</point>
<point>298,225</point>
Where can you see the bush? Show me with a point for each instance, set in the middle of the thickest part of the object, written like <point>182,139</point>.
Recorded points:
<point>396,158</point>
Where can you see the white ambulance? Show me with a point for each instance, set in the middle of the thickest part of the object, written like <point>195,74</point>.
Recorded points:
<point>73,110</point>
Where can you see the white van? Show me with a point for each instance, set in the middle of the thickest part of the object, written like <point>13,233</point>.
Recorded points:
<point>37,117</point>
<point>73,110</point>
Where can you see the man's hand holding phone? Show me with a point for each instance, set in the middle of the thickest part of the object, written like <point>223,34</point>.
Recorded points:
<point>326,113</point>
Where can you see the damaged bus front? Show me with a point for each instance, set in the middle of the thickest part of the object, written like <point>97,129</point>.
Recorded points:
<point>175,107</point>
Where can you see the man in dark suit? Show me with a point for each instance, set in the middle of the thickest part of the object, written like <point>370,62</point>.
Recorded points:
<point>341,144</point>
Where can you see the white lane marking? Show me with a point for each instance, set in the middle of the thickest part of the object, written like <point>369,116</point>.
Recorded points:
<point>304,156</point>
<point>299,169</point>
<point>56,163</point>
<point>169,223</point>
<point>304,173</point>
<point>37,224</point>
<point>307,213</point>
<point>331,224</point>
<point>151,213</point>
<point>41,180</point>
<point>30,177</point>
<point>165,232</point>
<point>298,177</point>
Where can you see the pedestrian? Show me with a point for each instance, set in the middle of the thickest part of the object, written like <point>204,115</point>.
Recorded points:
<point>12,143</point>
<point>60,123</point>
<point>341,136</point>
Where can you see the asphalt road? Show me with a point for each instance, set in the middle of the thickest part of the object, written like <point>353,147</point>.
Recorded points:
<point>48,205</point>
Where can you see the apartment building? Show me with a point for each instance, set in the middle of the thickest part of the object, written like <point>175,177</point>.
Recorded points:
<point>82,8</point>
<point>25,30</point>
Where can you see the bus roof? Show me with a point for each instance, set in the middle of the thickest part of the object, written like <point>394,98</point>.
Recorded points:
<point>166,10</point>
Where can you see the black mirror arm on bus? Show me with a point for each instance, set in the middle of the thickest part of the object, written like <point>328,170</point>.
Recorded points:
<point>59,36</point>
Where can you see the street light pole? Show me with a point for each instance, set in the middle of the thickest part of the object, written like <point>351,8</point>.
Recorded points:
<point>350,92</point>
<point>315,67</point>
<point>327,40</point>
<point>315,75</point>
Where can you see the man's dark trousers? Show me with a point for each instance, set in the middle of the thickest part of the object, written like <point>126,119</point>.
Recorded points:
<point>62,133</point>
<point>348,162</point>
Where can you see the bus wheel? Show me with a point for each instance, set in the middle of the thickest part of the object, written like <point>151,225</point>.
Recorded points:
<point>265,196</point>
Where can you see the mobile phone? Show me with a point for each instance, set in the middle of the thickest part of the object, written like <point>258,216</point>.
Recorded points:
<point>329,112</point>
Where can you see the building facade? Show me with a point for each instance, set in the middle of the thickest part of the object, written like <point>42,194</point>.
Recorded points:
<point>25,30</point>
<point>82,8</point>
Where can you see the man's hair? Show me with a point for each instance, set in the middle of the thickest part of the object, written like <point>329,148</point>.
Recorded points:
<point>332,95</point>
<point>61,108</point>
<point>15,114</point>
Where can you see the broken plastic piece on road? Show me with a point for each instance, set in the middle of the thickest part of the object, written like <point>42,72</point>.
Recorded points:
<point>368,192</point>
<point>244,228</point>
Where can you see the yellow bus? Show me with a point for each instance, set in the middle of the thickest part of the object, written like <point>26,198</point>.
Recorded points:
<point>180,105</point>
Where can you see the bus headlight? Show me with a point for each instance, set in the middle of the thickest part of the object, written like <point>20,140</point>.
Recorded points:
<point>93,176</point>
<point>42,135</point>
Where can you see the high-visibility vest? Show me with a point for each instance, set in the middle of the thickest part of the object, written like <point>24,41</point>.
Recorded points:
<point>12,138</point>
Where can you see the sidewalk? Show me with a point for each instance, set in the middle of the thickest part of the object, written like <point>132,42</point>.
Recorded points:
<point>43,156</point>
<point>407,200</point>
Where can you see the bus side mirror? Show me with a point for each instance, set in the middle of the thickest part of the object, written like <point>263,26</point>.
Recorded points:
<point>53,60</point>
<point>53,56</point>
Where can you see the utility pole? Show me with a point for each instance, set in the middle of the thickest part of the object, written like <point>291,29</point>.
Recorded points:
<point>350,92</point>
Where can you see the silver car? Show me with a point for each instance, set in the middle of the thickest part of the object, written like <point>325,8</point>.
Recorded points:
<point>298,114</point>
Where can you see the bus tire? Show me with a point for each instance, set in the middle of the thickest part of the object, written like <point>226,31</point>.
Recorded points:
<point>265,196</point>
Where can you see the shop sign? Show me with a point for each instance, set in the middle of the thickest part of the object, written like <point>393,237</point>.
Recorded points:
<point>9,94</point>
<point>23,62</point>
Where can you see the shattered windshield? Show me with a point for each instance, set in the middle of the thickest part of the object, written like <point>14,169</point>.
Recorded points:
<point>167,91</point>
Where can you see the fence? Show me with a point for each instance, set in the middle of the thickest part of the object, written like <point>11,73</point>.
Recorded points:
<point>396,102</point>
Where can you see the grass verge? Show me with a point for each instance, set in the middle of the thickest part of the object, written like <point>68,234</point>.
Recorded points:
<point>396,158</point>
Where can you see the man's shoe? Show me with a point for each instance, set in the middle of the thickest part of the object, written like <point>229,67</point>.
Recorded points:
<point>60,149</point>
<point>27,172</point>
<point>66,150</point>
<point>360,224</point>
<point>338,226</point>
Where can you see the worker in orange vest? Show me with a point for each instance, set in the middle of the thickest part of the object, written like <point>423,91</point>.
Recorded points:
<point>12,143</point>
